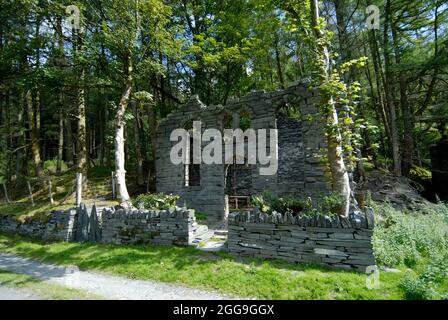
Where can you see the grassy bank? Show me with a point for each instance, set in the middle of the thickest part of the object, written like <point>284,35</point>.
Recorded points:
<point>194,268</point>
<point>416,243</point>
<point>416,240</point>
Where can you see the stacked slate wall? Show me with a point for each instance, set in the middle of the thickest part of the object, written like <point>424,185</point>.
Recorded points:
<point>58,226</point>
<point>301,141</point>
<point>113,226</point>
<point>142,227</point>
<point>330,241</point>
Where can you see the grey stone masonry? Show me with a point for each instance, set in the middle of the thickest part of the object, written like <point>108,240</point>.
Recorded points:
<point>59,226</point>
<point>301,145</point>
<point>174,227</point>
<point>336,242</point>
<point>141,227</point>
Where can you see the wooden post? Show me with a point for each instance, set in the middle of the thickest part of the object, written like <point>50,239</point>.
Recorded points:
<point>6,194</point>
<point>113,185</point>
<point>50,191</point>
<point>31,193</point>
<point>78,189</point>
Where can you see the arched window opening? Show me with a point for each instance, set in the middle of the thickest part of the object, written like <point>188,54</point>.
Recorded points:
<point>192,172</point>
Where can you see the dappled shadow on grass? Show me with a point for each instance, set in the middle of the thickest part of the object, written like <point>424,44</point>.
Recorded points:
<point>103,257</point>
<point>9,279</point>
<point>269,279</point>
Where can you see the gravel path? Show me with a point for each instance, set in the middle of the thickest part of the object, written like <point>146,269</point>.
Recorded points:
<point>17,294</point>
<point>110,287</point>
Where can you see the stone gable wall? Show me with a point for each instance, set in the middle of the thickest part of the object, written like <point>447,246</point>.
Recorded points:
<point>343,243</point>
<point>300,170</point>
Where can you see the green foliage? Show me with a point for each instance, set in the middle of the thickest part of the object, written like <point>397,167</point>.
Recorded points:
<point>425,285</point>
<point>331,204</point>
<point>155,201</point>
<point>100,172</point>
<point>416,288</point>
<point>143,96</point>
<point>408,238</point>
<point>269,203</point>
<point>201,216</point>
<point>420,174</point>
<point>50,166</point>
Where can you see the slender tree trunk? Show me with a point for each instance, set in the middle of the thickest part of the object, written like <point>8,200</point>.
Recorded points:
<point>138,151</point>
<point>152,119</point>
<point>378,80</point>
<point>61,63</point>
<point>34,135</point>
<point>339,174</point>
<point>21,153</point>
<point>389,95</point>
<point>120,124</point>
<point>82,162</point>
<point>408,115</point>
<point>278,61</point>
<point>432,84</point>
<point>69,145</point>
<point>60,133</point>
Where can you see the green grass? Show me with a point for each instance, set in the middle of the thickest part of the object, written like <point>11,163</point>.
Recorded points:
<point>193,268</point>
<point>42,289</point>
<point>62,184</point>
<point>41,210</point>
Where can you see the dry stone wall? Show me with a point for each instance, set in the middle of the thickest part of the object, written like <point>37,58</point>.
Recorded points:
<point>343,243</point>
<point>113,226</point>
<point>141,227</point>
<point>59,226</point>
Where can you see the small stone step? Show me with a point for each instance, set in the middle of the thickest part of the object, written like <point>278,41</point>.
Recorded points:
<point>223,233</point>
<point>199,230</point>
<point>220,237</point>
<point>204,237</point>
<point>212,246</point>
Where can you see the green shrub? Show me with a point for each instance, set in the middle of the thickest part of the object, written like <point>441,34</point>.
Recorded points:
<point>425,286</point>
<point>100,172</point>
<point>201,216</point>
<point>269,203</point>
<point>155,201</point>
<point>332,204</point>
<point>416,289</point>
<point>407,238</point>
<point>420,174</point>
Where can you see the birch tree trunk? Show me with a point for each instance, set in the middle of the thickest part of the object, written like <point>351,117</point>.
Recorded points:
<point>82,162</point>
<point>120,123</point>
<point>339,174</point>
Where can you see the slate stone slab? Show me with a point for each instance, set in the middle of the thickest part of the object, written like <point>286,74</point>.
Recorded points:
<point>337,242</point>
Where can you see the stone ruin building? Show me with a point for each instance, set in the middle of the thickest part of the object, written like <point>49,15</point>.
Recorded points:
<point>216,189</point>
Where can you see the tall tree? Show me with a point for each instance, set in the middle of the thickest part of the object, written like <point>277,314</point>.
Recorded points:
<point>129,42</point>
<point>313,29</point>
